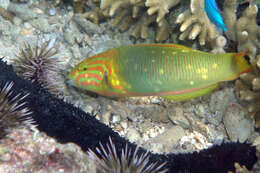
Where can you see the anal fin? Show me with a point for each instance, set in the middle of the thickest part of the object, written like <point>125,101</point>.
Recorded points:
<point>193,94</point>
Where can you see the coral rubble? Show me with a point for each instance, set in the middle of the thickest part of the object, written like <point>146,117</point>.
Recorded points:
<point>28,150</point>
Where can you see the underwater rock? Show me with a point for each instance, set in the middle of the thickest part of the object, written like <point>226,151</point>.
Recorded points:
<point>218,102</point>
<point>133,135</point>
<point>166,141</point>
<point>22,11</point>
<point>238,125</point>
<point>176,115</point>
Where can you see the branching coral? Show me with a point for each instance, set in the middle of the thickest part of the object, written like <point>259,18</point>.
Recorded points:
<point>243,30</point>
<point>124,18</point>
<point>111,6</point>
<point>230,17</point>
<point>248,89</point>
<point>94,15</point>
<point>129,12</point>
<point>246,33</point>
<point>78,5</point>
<point>142,26</point>
<point>161,7</point>
<point>195,22</point>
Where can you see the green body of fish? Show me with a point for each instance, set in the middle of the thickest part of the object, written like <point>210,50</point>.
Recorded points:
<point>169,70</point>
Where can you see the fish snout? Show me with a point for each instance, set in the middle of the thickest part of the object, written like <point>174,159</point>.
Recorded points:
<point>70,82</point>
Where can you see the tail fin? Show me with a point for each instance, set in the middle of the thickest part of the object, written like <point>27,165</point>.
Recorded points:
<point>243,65</point>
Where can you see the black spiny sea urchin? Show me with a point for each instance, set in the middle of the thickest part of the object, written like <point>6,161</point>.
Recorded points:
<point>13,113</point>
<point>38,65</point>
<point>129,162</point>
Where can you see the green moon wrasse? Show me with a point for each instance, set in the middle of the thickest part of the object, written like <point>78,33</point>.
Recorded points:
<point>169,70</point>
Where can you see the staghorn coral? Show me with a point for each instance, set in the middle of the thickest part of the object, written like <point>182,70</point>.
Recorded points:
<point>243,30</point>
<point>111,6</point>
<point>129,16</point>
<point>13,113</point>
<point>110,162</point>
<point>248,89</point>
<point>230,17</point>
<point>129,12</point>
<point>95,15</point>
<point>160,6</point>
<point>124,12</point>
<point>195,22</point>
<point>78,5</point>
<point>142,26</point>
<point>124,17</point>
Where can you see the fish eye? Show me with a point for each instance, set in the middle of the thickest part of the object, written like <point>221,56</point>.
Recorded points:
<point>83,69</point>
<point>247,58</point>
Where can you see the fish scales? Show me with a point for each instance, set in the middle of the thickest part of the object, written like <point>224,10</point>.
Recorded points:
<point>180,68</point>
<point>156,69</point>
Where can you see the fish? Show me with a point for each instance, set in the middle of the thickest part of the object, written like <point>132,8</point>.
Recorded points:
<point>172,71</point>
<point>211,8</point>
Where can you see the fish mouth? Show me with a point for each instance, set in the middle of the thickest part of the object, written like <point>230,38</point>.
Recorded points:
<point>70,82</point>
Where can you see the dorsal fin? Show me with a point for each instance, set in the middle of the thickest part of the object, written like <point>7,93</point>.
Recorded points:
<point>177,46</point>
